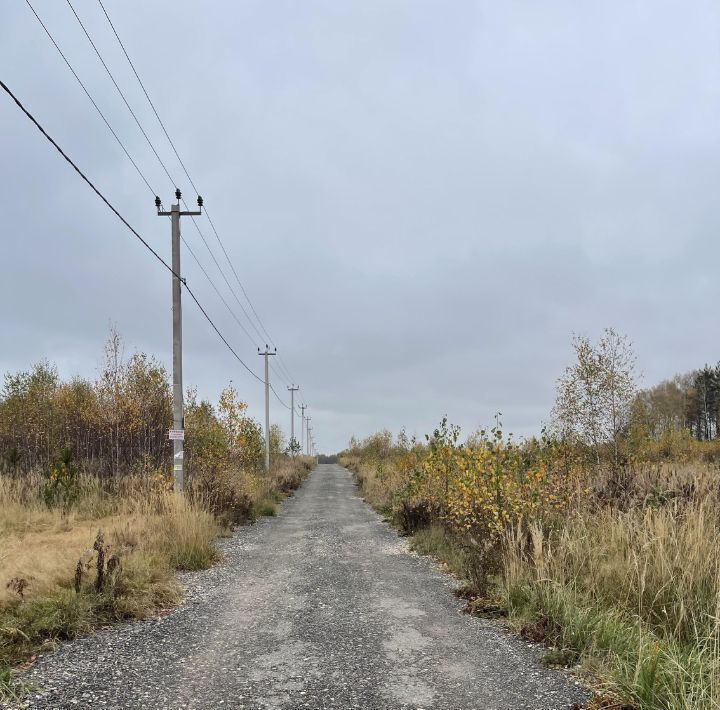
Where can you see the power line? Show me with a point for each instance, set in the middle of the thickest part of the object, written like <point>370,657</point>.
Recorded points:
<point>202,236</point>
<point>145,180</point>
<point>207,214</point>
<point>147,96</point>
<point>87,93</point>
<point>285,368</point>
<point>110,128</point>
<point>122,96</point>
<point>277,396</point>
<point>125,222</point>
<point>172,180</point>
<point>222,273</point>
<point>221,336</point>
<point>212,283</point>
<point>286,372</point>
<point>232,291</point>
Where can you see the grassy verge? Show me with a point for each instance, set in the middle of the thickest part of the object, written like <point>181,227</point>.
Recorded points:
<point>435,541</point>
<point>111,555</point>
<point>634,594</point>
<point>630,664</point>
<point>51,561</point>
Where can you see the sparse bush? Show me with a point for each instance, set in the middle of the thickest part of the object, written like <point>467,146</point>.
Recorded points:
<point>474,490</point>
<point>265,507</point>
<point>63,487</point>
<point>413,515</point>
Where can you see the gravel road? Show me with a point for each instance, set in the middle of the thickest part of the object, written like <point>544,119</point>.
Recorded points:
<point>320,607</point>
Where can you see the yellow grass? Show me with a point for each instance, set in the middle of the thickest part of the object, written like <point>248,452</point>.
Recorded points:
<point>151,530</point>
<point>42,544</point>
<point>47,557</point>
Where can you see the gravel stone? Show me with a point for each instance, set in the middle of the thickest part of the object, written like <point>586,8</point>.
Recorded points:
<point>321,607</point>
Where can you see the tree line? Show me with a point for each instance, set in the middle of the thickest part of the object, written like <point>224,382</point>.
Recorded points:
<point>117,423</point>
<point>690,401</point>
<point>600,406</point>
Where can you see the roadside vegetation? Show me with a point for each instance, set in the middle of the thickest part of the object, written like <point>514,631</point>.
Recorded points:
<point>92,532</point>
<point>601,538</point>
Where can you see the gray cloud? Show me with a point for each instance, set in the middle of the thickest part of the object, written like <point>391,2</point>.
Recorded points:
<point>424,199</point>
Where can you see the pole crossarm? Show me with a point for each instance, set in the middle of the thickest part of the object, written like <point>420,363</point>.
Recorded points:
<point>184,213</point>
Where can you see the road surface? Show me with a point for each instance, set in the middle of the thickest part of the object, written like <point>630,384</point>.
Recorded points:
<point>320,607</point>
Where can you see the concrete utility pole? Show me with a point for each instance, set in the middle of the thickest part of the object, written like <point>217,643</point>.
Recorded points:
<point>309,438</point>
<point>303,407</point>
<point>267,404</point>
<point>177,434</point>
<point>293,389</point>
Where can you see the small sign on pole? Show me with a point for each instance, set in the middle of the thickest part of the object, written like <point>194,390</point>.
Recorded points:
<point>176,435</point>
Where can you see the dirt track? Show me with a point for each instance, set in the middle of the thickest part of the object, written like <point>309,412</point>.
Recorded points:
<point>321,607</point>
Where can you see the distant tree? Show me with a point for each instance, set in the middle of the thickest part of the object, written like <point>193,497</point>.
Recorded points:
<point>377,446</point>
<point>293,447</point>
<point>596,393</point>
<point>704,403</point>
<point>245,434</point>
<point>277,440</point>
<point>664,407</point>
<point>117,425</point>
<point>109,388</point>
<point>28,414</point>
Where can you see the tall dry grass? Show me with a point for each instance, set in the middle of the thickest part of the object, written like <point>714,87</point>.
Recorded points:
<point>150,533</point>
<point>635,593</point>
<point>380,481</point>
<point>42,543</point>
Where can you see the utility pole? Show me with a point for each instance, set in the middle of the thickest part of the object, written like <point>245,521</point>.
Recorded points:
<point>293,389</point>
<point>177,435</point>
<point>267,404</point>
<point>303,407</point>
<point>309,439</point>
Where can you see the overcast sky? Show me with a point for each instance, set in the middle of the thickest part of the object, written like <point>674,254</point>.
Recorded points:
<point>423,199</point>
